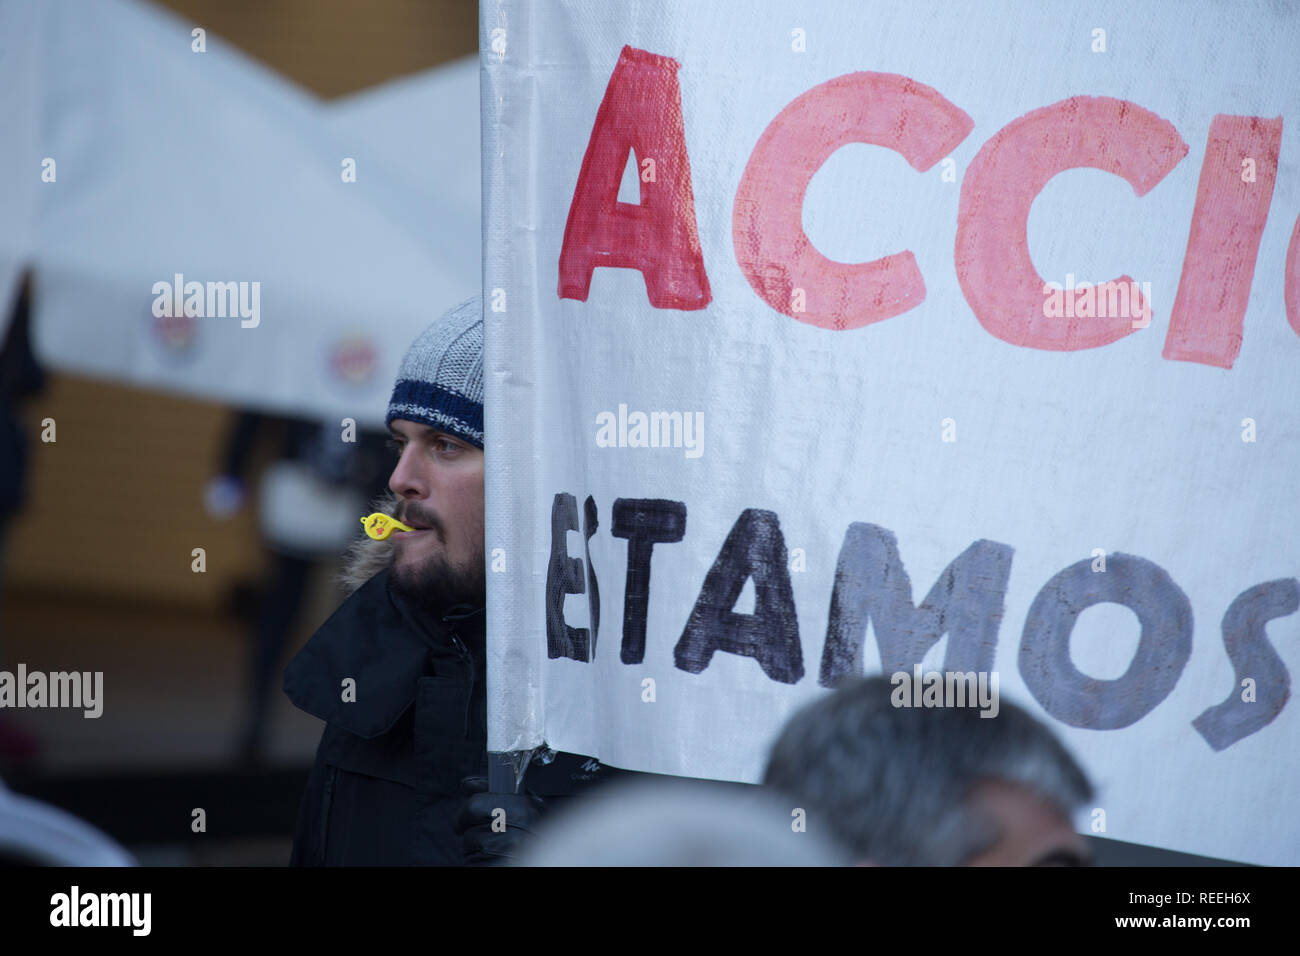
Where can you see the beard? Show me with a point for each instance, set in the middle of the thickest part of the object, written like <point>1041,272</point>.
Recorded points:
<point>436,585</point>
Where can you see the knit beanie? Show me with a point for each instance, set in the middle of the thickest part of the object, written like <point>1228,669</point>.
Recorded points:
<point>440,382</point>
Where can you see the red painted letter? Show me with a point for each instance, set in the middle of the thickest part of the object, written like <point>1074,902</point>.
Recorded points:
<point>996,273</point>
<point>1232,203</point>
<point>1291,279</point>
<point>641,111</point>
<point>882,109</point>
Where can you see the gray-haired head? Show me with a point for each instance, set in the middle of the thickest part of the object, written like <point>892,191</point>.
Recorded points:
<point>440,382</point>
<point>894,784</point>
<point>677,823</point>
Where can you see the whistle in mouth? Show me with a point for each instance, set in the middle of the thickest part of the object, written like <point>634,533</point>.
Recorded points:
<point>379,525</point>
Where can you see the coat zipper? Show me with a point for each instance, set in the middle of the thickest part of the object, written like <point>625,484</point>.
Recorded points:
<point>473,677</point>
<point>326,800</point>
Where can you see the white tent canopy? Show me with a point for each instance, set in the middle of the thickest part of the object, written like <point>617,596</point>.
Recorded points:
<point>19,160</point>
<point>421,133</point>
<point>170,161</point>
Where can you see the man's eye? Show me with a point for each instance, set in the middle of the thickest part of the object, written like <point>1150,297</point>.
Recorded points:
<point>445,446</point>
<point>395,446</point>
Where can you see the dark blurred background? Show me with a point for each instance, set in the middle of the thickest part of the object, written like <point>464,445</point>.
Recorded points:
<point>86,584</point>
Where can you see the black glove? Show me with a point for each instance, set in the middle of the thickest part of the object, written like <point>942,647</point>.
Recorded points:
<point>480,842</point>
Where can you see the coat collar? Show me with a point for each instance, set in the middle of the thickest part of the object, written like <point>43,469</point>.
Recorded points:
<point>377,640</point>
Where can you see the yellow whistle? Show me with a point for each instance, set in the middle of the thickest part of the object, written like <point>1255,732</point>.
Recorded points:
<point>379,525</point>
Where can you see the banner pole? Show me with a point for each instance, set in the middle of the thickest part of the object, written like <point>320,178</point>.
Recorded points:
<point>505,770</point>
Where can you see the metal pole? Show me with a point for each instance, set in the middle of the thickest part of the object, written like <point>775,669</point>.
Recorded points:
<point>506,770</point>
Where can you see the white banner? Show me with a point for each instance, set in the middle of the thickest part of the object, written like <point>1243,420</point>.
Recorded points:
<point>845,338</point>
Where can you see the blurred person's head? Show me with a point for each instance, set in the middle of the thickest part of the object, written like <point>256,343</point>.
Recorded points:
<point>676,823</point>
<point>33,833</point>
<point>930,786</point>
<point>436,420</point>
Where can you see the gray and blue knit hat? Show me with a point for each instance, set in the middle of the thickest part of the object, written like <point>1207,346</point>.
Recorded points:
<point>440,383</point>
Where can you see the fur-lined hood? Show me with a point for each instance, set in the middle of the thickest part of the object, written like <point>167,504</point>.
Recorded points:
<point>366,557</point>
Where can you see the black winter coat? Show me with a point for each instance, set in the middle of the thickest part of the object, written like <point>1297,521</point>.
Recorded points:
<point>385,786</point>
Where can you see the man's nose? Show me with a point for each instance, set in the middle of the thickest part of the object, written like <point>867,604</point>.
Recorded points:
<point>405,481</point>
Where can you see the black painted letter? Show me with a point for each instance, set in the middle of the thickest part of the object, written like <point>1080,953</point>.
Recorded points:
<point>564,576</point>
<point>589,526</point>
<point>966,603</point>
<point>1252,656</point>
<point>754,548</point>
<point>1164,646</point>
<point>645,522</point>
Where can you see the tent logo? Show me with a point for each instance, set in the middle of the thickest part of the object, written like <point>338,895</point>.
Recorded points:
<point>353,359</point>
<point>177,334</point>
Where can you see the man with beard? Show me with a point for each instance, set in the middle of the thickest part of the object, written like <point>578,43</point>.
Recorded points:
<point>398,671</point>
